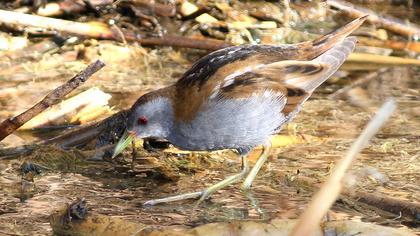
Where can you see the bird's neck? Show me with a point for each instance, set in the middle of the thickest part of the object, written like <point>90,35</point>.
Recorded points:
<point>165,101</point>
<point>165,117</point>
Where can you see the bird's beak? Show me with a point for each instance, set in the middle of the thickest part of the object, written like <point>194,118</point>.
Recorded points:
<point>124,141</point>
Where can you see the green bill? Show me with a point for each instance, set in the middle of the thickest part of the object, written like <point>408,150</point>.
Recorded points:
<point>124,141</point>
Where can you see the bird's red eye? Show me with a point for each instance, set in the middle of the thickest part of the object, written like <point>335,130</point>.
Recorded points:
<point>142,120</point>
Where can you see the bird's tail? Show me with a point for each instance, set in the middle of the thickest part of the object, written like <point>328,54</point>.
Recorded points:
<point>308,75</point>
<point>334,58</point>
<point>317,47</point>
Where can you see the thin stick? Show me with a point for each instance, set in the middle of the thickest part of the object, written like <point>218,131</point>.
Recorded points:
<point>181,41</point>
<point>10,125</point>
<point>102,31</point>
<point>390,23</point>
<point>331,188</point>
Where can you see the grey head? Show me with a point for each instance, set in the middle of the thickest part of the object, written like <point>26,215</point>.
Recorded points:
<point>151,118</point>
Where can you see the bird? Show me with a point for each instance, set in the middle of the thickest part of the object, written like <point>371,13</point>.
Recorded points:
<point>236,98</point>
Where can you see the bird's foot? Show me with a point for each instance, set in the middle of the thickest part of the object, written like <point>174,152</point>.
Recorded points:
<point>202,195</point>
<point>173,198</point>
<point>246,185</point>
<point>206,193</point>
<point>222,184</point>
<point>256,205</point>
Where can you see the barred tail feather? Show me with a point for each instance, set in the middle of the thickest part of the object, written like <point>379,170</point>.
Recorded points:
<point>334,58</point>
<point>324,43</point>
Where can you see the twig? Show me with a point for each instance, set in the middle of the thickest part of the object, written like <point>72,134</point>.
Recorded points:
<point>79,109</point>
<point>387,22</point>
<point>10,125</point>
<point>102,31</point>
<point>330,190</point>
<point>181,41</point>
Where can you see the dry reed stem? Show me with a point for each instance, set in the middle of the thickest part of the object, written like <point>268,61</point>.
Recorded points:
<point>331,188</point>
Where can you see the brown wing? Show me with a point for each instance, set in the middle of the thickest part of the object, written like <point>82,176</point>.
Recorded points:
<point>223,62</point>
<point>198,83</point>
<point>296,80</point>
<point>216,70</point>
<point>284,78</point>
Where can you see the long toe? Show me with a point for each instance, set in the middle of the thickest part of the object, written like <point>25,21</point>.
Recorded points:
<point>173,198</point>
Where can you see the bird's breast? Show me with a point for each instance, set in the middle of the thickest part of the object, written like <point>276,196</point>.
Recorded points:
<point>231,123</point>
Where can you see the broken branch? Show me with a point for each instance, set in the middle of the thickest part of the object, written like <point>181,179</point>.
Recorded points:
<point>10,125</point>
<point>181,41</point>
<point>100,30</point>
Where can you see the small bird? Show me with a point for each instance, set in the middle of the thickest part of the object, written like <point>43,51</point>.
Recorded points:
<point>236,98</point>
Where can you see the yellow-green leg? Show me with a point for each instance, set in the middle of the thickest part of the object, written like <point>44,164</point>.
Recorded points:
<point>208,191</point>
<point>256,205</point>
<point>226,182</point>
<point>246,185</point>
